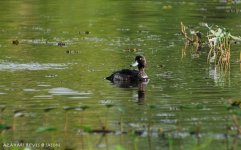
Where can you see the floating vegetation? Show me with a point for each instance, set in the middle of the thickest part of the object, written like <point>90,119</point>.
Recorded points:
<point>86,128</point>
<point>102,130</point>
<point>192,106</point>
<point>19,113</point>
<point>107,103</point>
<point>234,104</point>
<point>119,147</point>
<point>45,129</point>
<point>49,109</point>
<point>68,108</point>
<point>219,41</point>
<point>84,107</point>
<point>15,42</point>
<point>193,37</point>
<point>85,32</point>
<point>72,51</point>
<point>131,49</point>
<point>4,127</point>
<point>2,108</point>
<point>61,44</point>
<point>153,106</point>
<point>165,7</point>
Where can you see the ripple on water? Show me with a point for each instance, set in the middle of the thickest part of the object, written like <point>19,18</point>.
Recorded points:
<point>43,97</point>
<point>69,92</point>
<point>30,90</point>
<point>30,66</point>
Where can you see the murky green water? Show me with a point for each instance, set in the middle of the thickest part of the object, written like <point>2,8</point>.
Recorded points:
<point>65,51</point>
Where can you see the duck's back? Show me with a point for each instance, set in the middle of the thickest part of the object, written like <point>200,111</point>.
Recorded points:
<point>124,75</point>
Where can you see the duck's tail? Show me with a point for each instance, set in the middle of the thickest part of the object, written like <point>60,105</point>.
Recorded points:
<point>110,78</point>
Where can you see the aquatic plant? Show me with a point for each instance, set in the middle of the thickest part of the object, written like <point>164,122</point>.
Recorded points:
<point>4,127</point>
<point>68,108</point>
<point>2,108</point>
<point>49,109</point>
<point>119,147</point>
<point>15,42</point>
<point>86,128</point>
<point>192,106</point>
<point>45,129</point>
<point>193,37</point>
<point>219,41</point>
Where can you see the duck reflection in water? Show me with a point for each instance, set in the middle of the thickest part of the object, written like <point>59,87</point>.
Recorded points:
<point>127,78</point>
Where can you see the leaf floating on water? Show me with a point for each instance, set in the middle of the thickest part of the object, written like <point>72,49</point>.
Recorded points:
<point>4,127</point>
<point>139,132</point>
<point>236,104</point>
<point>86,128</point>
<point>45,129</point>
<point>102,131</point>
<point>15,42</point>
<point>167,7</point>
<point>119,147</point>
<point>199,106</point>
<point>67,108</point>
<point>120,109</point>
<point>61,44</point>
<point>84,107</point>
<point>238,113</point>
<point>22,113</point>
<point>109,105</point>
<point>2,108</point>
<point>185,107</point>
<point>131,49</point>
<point>152,106</point>
<point>49,109</point>
<point>87,32</point>
<point>193,106</point>
<point>19,113</point>
<point>72,51</point>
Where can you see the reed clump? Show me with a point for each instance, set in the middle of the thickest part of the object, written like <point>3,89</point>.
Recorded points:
<point>219,41</point>
<point>192,37</point>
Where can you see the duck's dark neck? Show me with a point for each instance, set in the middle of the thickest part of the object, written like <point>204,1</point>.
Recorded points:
<point>142,73</point>
<point>141,69</point>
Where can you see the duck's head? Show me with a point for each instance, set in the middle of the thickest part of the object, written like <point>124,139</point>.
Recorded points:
<point>140,62</point>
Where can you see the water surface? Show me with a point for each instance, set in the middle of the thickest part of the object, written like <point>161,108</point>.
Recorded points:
<point>54,78</point>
